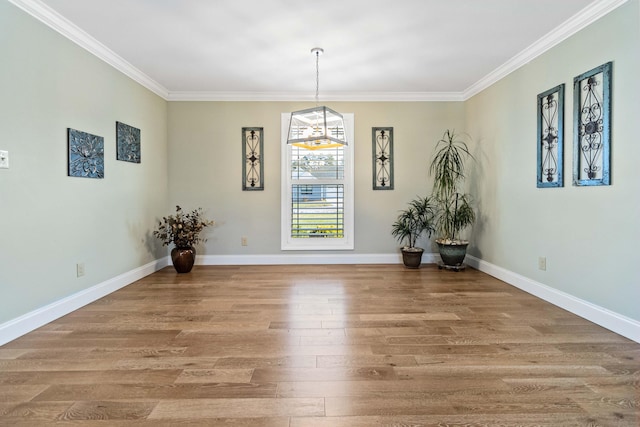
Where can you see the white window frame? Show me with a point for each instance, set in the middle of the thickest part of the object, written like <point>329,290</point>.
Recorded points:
<point>291,244</point>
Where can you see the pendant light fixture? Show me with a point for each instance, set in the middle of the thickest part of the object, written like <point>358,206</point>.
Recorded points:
<point>317,127</point>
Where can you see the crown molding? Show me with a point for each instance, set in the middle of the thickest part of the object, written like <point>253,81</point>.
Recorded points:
<point>581,20</point>
<point>304,97</point>
<point>57,22</point>
<point>52,19</point>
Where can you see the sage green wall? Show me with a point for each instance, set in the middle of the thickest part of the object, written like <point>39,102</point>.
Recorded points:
<point>589,235</point>
<point>48,221</point>
<point>191,155</point>
<point>205,168</point>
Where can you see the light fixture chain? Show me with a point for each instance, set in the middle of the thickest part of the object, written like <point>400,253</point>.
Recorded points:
<point>317,77</point>
<point>319,127</point>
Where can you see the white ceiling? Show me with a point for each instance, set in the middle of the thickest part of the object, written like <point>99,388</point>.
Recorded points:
<point>260,49</point>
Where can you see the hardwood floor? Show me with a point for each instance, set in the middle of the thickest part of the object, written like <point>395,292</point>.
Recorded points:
<point>330,346</point>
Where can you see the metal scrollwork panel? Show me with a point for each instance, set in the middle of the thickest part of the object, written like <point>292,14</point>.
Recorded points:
<point>382,141</point>
<point>252,161</point>
<point>551,137</point>
<point>592,126</point>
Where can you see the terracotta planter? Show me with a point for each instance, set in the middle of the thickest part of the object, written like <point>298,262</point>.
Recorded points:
<point>183,259</point>
<point>412,258</point>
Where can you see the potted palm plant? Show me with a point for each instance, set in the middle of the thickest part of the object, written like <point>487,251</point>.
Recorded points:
<point>417,219</point>
<point>453,207</point>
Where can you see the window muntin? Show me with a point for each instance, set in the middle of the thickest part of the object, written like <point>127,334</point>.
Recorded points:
<point>317,210</point>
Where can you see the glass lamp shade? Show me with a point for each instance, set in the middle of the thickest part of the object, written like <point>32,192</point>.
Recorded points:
<point>315,128</point>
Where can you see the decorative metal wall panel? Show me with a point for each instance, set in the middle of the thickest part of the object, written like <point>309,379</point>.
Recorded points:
<point>592,126</point>
<point>252,161</point>
<point>86,154</point>
<point>382,142</point>
<point>127,143</point>
<point>551,137</point>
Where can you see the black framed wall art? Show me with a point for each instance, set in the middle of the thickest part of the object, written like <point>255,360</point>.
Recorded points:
<point>252,159</point>
<point>382,145</point>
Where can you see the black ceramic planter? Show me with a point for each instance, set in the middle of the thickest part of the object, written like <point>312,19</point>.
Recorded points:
<point>452,254</point>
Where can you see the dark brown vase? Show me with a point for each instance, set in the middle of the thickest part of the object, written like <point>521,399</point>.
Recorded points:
<point>412,258</point>
<point>183,259</point>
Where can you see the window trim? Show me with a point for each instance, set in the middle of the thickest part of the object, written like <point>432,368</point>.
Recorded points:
<point>287,243</point>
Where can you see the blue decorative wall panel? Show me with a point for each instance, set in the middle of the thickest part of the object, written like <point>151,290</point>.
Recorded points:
<point>592,126</point>
<point>551,138</point>
<point>86,154</point>
<point>128,143</point>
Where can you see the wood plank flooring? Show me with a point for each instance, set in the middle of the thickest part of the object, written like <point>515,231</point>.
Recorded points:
<point>320,346</point>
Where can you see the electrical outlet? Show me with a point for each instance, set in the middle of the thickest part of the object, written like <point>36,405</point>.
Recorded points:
<point>80,269</point>
<point>243,241</point>
<point>4,159</point>
<point>542,263</point>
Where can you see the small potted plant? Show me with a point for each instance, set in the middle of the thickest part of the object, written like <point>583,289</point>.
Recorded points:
<point>411,224</point>
<point>183,230</point>
<point>453,207</point>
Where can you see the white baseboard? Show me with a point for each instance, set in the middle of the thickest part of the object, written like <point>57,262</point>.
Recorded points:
<point>293,258</point>
<point>30,321</point>
<point>613,321</point>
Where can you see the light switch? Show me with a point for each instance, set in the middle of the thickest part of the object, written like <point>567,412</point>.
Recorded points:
<point>4,159</point>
